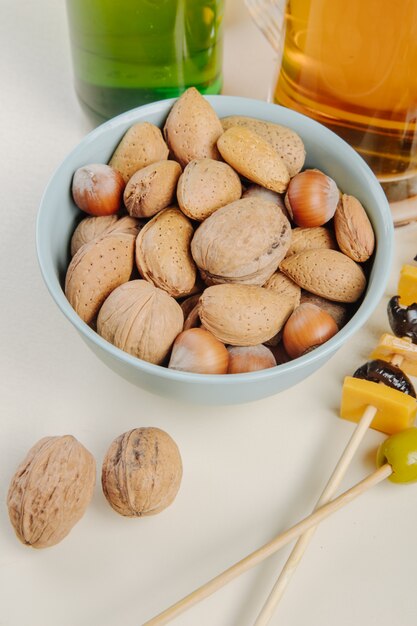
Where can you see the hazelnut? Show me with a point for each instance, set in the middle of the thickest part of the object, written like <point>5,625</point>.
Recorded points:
<point>306,328</point>
<point>197,350</point>
<point>312,198</point>
<point>97,189</point>
<point>249,359</point>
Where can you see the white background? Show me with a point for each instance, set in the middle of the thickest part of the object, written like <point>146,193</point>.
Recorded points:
<point>249,471</point>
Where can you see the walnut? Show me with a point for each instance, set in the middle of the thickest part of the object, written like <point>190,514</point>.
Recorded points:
<point>51,490</point>
<point>142,472</point>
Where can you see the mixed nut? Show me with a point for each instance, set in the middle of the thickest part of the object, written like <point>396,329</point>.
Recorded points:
<point>230,252</point>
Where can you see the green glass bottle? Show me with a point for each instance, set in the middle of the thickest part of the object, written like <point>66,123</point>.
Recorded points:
<point>132,52</point>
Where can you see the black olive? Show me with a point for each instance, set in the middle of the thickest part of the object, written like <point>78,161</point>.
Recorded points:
<point>379,371</point>
<point>403,320</point>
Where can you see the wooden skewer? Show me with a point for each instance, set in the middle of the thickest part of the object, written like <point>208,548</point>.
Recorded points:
<point>269,548</point>
<point>336,478</point>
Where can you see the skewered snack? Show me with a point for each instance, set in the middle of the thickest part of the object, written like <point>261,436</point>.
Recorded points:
<point>396,459</point>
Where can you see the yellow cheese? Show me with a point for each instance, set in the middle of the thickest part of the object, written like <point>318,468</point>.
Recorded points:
<point>407,285</point>
<point>396,410</point>
<point>389,346</point>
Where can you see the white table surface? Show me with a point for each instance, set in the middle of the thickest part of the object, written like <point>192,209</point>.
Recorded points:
<point>249,471</point>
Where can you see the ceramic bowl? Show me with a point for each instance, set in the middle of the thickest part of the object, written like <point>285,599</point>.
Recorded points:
<point>58,216</point>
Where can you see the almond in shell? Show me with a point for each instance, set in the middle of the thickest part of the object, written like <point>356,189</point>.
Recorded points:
<point>141,320</point>
<point>326,273</point>
<point>242,242</point>
<point>289,294</point>
<point>192,128</point>
<point>311,238</point>
<point>51,490</point>
<point>241,315</point>
<point>254,158</point>
<point>354,232</point>
<point>285,141</point>
<point>152,188</point>
<point>205,186</point>
<point>96,270</point>
<point>94,227</point>
<point>163,252</point>
<point>141,145</point>
<point>256,191</point>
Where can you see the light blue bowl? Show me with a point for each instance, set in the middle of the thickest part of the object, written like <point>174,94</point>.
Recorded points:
<point>58,216</point>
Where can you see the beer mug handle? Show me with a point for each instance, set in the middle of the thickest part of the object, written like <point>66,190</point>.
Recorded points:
<point>268,15</point>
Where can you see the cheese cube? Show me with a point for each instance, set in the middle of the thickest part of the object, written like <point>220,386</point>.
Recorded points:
<point>407,285</point>
<point>395,410</point>
<point>390,346</point>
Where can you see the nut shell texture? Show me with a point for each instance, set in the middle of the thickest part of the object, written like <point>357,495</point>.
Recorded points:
<point>140,146</point>
<point>96,270</point>
<point>94,227</point>
<point>311,238</point>
<point>163,252</point>
<point>151,188</point>
<point>241,315</point>
<point>142,472</point>
<point>192,128</point>
<point>285,141</point>
<point>141,320</point>
<point>242,242</point>
<point>254,158</point>
<point>326,273</point>
<point>308,327</point>
<point>353,229</point>
<point>340,312</point>
<point>312,198</point>
<point>205,186</point>
<point>51,490</point>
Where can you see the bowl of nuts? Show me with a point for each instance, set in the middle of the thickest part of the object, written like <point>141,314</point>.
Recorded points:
<point>216,250</point>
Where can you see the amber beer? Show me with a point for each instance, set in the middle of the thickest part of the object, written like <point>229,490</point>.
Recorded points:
<point>352,65</point>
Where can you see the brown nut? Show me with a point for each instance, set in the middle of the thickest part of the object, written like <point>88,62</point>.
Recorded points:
<point>163,252</point>
<point>285,141</point>
<point>289,294</point>
<point>141,320</point>
<point>197,350</point>
<point>189,304</point>
<point>311,238</point>
<point>354,232</point>
<point>249,359</point>
<point>241,315</point>
<point>340,312</point>
<point>285,288</point>
<point>140,146</point>
<point>96,270</point>
<point>312,198</point>
<point>192,128</point>
<point>94,227</point>
<point>307,328</point>
<point>151,188</point>
<point>326,273</point>
<point>242,242</point>
<point>51,490</point>
<point>205,186</point>
<point>97,189</point>
<point>254,158</point>
<point>256,191</point>
<point>141,472</point>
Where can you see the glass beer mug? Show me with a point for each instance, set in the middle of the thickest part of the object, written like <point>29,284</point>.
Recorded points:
<point>351,65</point>
<point>131,52</point>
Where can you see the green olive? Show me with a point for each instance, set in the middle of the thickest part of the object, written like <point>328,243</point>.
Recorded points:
<point>400,451</point>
